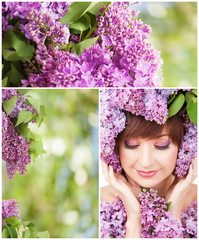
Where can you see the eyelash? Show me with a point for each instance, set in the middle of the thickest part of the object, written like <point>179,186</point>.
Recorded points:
<point>162,147</point>
<point>157,147</point>
<point>131,146</point>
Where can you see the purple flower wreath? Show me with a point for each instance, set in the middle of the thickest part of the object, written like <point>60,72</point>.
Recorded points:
<point>153,105</point>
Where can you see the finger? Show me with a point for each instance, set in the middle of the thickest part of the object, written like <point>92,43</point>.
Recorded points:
<point>192,174</point>
<point>112,175</point>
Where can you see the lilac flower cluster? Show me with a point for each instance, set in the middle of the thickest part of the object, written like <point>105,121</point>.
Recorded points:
<point>23,11</point>
<point>42,26</point>
<point>156,221</point>
<point>189,221</point>
<point>187,151</point>
<point>113,219</point>
<point>15,148</point>
<point>126,36</point>
<point>120,58</point>
<point>9,209</point>
<point>150,103</point>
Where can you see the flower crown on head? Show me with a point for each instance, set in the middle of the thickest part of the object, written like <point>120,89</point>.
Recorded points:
<point>155,105</point>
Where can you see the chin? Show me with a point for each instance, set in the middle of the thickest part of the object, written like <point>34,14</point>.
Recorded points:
<point>148,184</point>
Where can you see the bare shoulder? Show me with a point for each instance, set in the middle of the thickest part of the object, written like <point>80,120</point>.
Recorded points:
<point>191,196</point>
<point>108,194</point>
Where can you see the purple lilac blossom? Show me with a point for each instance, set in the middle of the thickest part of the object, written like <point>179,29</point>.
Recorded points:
<point>150,103</point>
<point>42,26</point>
<point>127,37</point>
<point>112,218</point>
<point>187,150</point>
<point>189,221</point>
<point>156,221</point>
<point>9,209</point>
<point>14,149</point>
<point>8,93</point>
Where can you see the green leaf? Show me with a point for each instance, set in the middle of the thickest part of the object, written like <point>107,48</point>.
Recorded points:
<point>194,91</point>
<point>25,131</point>
<point>13,221</point>
<point>26,234</point>
<point>22,91</point>
<point>10,55</point>
<point>81,24</point>
<point>80,47</point>
<point>172,97</point>
<point>36,147</point>
<point>33,156</point>
<point>192,111</point>
<point>5,81</point>
<point>5,233</point>
<point>24,116</point>
<point>33,117</point>
<point>12,231</point>
<point>34,102</point>
<point>20,43</point>
<point>95,9</point>
<point>32,230</point>
<point>9,104</point>
<point>176,105</point>
<point>76,10</point>
<point>5,67</point>
<point>168,205</point>
<point>31,225</point>
<point>15,74</point>
<point>44,234</point>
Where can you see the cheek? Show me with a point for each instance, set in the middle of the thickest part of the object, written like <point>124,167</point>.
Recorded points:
<point>127,157</point>
<point>170,158</point>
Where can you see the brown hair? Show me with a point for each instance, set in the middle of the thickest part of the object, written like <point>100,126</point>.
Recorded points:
<point>139,127</point>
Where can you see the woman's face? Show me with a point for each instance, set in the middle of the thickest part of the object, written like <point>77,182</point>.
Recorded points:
<point>148,161</point>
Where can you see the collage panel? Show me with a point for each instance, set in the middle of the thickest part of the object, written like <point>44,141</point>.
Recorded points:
<point>148,175</point>
<point>99,44</point>
<point>50,163</point>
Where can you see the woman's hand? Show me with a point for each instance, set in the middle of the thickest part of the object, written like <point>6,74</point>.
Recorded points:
<point>127,194</point>
<point>178,191</point>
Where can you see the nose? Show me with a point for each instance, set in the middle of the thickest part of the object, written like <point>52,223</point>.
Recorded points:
<point>146,157</point>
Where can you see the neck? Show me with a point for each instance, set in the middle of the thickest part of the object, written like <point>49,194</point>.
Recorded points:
<point>164,186</point>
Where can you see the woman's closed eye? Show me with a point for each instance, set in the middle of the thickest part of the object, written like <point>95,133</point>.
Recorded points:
<point>131,144</point>
<point>162,144</point>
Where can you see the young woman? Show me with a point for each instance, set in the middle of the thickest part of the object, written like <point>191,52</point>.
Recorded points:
<point>147,155</point>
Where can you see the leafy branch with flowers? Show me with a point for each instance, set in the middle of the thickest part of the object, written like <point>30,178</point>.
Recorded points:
<point>20,146</point>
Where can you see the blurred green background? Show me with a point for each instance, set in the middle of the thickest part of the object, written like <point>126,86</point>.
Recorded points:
<point>60,191</point>
<point>174,34</point>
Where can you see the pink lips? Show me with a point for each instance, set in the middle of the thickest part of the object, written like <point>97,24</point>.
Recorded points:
<point>147,173</point>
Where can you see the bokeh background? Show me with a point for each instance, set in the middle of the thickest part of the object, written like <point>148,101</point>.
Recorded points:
<point>60,191</point>
<point>174,34</point>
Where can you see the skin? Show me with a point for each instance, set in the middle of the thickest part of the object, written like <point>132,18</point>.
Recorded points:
<point>147,155</point>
